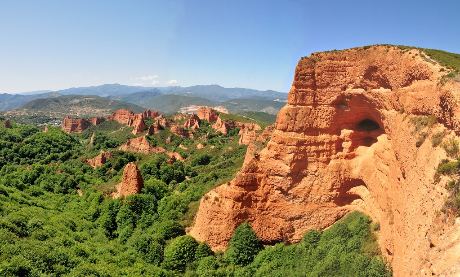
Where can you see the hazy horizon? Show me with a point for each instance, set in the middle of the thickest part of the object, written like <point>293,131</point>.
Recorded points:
<point>115,84</point>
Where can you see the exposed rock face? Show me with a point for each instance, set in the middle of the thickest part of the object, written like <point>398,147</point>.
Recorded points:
<point>75,125</point>
<point>140,145</point>
<point>96,120</point>
<point>178,130</point>
<point>137,121</point>
<point>345,142</point>
<point>207,113</point>
<point>193,122</point>
<point>99,160</point>
<point>154,128</point>
<point>122,116</point>
<point>174,156</point>
<point>150,114</point>
<point>138,124</point>
<point>131,183</point>
<point>162,121</point>
<point>248,132</point>
<point>256,145</point>
<point>223,126</point>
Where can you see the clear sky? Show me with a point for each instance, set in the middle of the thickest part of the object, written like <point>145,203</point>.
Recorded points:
<point>53,44</point>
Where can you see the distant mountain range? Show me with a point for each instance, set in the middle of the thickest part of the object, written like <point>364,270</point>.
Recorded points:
<point>73,105</point>
<point>164,99</point>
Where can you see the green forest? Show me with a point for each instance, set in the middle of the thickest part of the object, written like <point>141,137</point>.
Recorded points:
<point>57,217</point>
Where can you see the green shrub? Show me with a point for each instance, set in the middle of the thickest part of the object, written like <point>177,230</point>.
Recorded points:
<point>108,220</point>
<point>422,122</point>
<point>451,147</point>
<point>207,267</point>
<point>157,188</point>
<point>447,167</point>
<point>17,266</point>
<point>243,246</point>
<point>203,250</point>
<point>437,138</point>
<point>202,159</point>
<point>150,249</point>
<point>179,253</point>
<point>168,229</point>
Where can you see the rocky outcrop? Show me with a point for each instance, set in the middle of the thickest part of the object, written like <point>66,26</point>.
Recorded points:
<point>248,132</point>
<point>75,125</point>
<point>131,182</point>
<point>138,124</point>
<point>137,121</point>
<point>140,145</point>
<point>150,114</point>
<point>180,131</point>
<point>256,145</point>
<point>208,114</point>
<point>345,141</point>
<point>162,121</point>
<point>122,116</point>
<point>154,128</point>
<point>193,122</point>
<point>223,126</point>
<point>99,160</point>
<point>174,156</point>
<point>96,120</point>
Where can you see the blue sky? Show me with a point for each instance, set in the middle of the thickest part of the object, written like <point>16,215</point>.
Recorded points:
<point>53,44</point>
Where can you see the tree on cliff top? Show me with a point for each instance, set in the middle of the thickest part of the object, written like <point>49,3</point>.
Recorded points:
<point>243,246</point>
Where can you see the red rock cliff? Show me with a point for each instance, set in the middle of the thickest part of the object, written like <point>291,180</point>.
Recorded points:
<point>99,160</point>
<point>122,116</point>
<point>131,182</point>
<point>345,142</point>
<point>140,145</point>
<point>207,113</point>
<point>75,125</point>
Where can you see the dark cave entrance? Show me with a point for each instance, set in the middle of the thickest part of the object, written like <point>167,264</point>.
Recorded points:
<point>367,125</point>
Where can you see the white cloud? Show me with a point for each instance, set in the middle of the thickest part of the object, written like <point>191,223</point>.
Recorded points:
<point>172,82</point>
<point>147,80</point>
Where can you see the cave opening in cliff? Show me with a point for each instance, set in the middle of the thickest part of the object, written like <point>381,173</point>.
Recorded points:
<point>368,125</point>
<point>345,195</point>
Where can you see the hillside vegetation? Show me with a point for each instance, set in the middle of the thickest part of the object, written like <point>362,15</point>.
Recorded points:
<point>75,105</point>
<point>57,216</point>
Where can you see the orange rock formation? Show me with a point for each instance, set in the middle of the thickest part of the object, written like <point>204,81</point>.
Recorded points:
<point>131,182</point>
<point>150,114</point>
<point>180,131</point>
<point>138,124</point>
<point>96,120</point>
<point>140,145</point>
<point>75,125</point>
<point>207,113</point>
<point>122,116</point>
<point>223,126</point>
<point>344,142</point>
<point>248,132</point>
<point>99,160</point>
<point>193,122</point>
